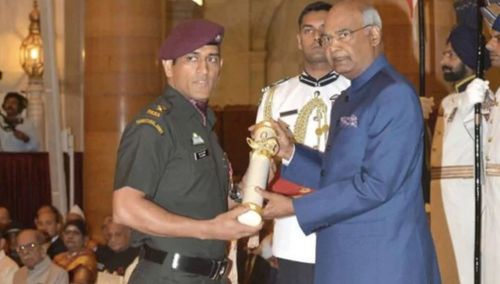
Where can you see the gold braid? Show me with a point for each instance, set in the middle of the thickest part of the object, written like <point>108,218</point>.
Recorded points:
<point>268,107</point>
<point>301,123</point>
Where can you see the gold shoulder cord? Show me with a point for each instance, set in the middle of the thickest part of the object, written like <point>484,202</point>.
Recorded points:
<point>268,107</point>
<point>301,124</point>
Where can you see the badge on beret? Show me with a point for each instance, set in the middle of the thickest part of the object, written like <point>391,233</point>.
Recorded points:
<point>218,38</point>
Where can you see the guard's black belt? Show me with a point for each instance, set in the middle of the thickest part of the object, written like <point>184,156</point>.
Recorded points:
<point>211,268</point>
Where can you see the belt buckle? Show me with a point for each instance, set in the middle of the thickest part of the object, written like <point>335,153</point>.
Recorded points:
<point>220,269</point>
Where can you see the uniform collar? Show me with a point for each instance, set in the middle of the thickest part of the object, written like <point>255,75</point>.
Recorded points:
<point>378,64</point>
<point>461,85</point>
<point>187,109</point>
<point>323,81</point>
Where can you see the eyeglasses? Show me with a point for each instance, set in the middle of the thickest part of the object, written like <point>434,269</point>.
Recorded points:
<point>27,248</point>
<point>344,35</point>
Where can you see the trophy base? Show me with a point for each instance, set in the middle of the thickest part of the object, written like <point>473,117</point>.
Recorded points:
<point>250,218</point>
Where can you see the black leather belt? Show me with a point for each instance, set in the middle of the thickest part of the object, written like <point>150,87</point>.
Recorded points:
<point>211,268</point>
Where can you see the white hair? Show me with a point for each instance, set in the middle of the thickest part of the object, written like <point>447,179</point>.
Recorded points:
<point>371,17</point>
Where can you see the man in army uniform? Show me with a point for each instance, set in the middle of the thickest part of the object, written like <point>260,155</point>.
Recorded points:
<point>172,178</point>
<point>452,160</point>
<point>304,103</point>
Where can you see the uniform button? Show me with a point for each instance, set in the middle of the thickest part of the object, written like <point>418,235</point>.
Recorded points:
<point>322,173</point>
<point>490,139</point>
<point>487,158</point>
<point>316,93</point>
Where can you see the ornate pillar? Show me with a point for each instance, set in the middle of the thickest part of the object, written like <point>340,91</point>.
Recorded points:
<point>122,75</point>
<point>35,110</point>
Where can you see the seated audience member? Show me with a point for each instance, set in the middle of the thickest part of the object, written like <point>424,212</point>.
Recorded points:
<point>8,267</point>
<point>11,234</point>
<point>38,266</point>
<point>74,213</point>
<point>117,255</point>
<point>79,261</point>
<point>17,134</point>
<point>104,228</point>
<point>4,218</point>
<point>49,221</point>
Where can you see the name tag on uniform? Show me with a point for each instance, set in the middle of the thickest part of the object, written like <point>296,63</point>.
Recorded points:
<point>287,113</point>
<point>201,154</point>
<point>452,115</point>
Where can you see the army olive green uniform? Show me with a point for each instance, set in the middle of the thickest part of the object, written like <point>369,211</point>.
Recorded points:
<point>167,153</point>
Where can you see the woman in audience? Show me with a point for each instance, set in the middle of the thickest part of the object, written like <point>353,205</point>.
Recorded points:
<point>79,261</point>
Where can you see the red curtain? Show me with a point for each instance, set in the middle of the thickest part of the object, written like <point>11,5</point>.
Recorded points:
<point>25,183</point>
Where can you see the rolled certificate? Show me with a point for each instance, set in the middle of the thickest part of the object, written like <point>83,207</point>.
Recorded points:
<point>264,147</point>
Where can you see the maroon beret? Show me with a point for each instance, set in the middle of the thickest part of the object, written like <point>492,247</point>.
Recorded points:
<point>189,36</point>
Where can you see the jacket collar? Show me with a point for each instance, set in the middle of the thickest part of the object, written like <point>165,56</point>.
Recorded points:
<point>323,81</point>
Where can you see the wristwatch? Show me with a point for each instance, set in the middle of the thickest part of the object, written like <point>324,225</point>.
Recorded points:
<point>235,193</point>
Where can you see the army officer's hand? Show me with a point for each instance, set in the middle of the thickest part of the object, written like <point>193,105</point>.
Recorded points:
<point>226,226</point>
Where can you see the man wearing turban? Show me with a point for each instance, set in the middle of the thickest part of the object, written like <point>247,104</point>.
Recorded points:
<point>452,162</point>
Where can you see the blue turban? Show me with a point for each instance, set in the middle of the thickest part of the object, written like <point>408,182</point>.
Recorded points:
<point>463,40</point>
<point>496,24</point>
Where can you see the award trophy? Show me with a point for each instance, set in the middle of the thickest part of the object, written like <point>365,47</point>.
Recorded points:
<point>264,147</point>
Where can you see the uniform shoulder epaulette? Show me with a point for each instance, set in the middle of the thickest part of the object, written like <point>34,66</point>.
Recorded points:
<point>269,100</point>
<point>152,114</point>
<point>266,88</point>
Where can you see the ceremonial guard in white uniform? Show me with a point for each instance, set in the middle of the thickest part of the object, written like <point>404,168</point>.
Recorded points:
<point>478,92</point>
<point>452,160</point>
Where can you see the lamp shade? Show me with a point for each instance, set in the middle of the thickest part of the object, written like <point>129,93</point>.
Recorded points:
<point>31,50</point>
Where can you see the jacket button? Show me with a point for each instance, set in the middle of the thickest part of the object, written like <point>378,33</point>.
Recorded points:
<point>322,173</point>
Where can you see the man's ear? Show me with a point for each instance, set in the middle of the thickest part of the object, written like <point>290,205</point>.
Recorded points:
<point>375,35</point>
<point>299,42</point>
<point>167,66</point>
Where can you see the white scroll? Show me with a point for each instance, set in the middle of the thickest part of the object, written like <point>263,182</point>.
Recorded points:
<point>264,147</point>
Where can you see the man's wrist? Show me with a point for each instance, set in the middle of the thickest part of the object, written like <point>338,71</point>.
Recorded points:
<point>287,160</point>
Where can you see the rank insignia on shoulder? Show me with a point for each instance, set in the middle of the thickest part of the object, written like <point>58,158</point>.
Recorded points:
<point>196,139</point>
<point>161,108</point>
<point>153,113</point>
<point>150,122</point>
<point>265,89</point>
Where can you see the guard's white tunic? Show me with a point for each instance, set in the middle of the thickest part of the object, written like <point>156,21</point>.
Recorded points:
<point>491,187</point>
<point>452,160</point>
<point>292,99</point>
